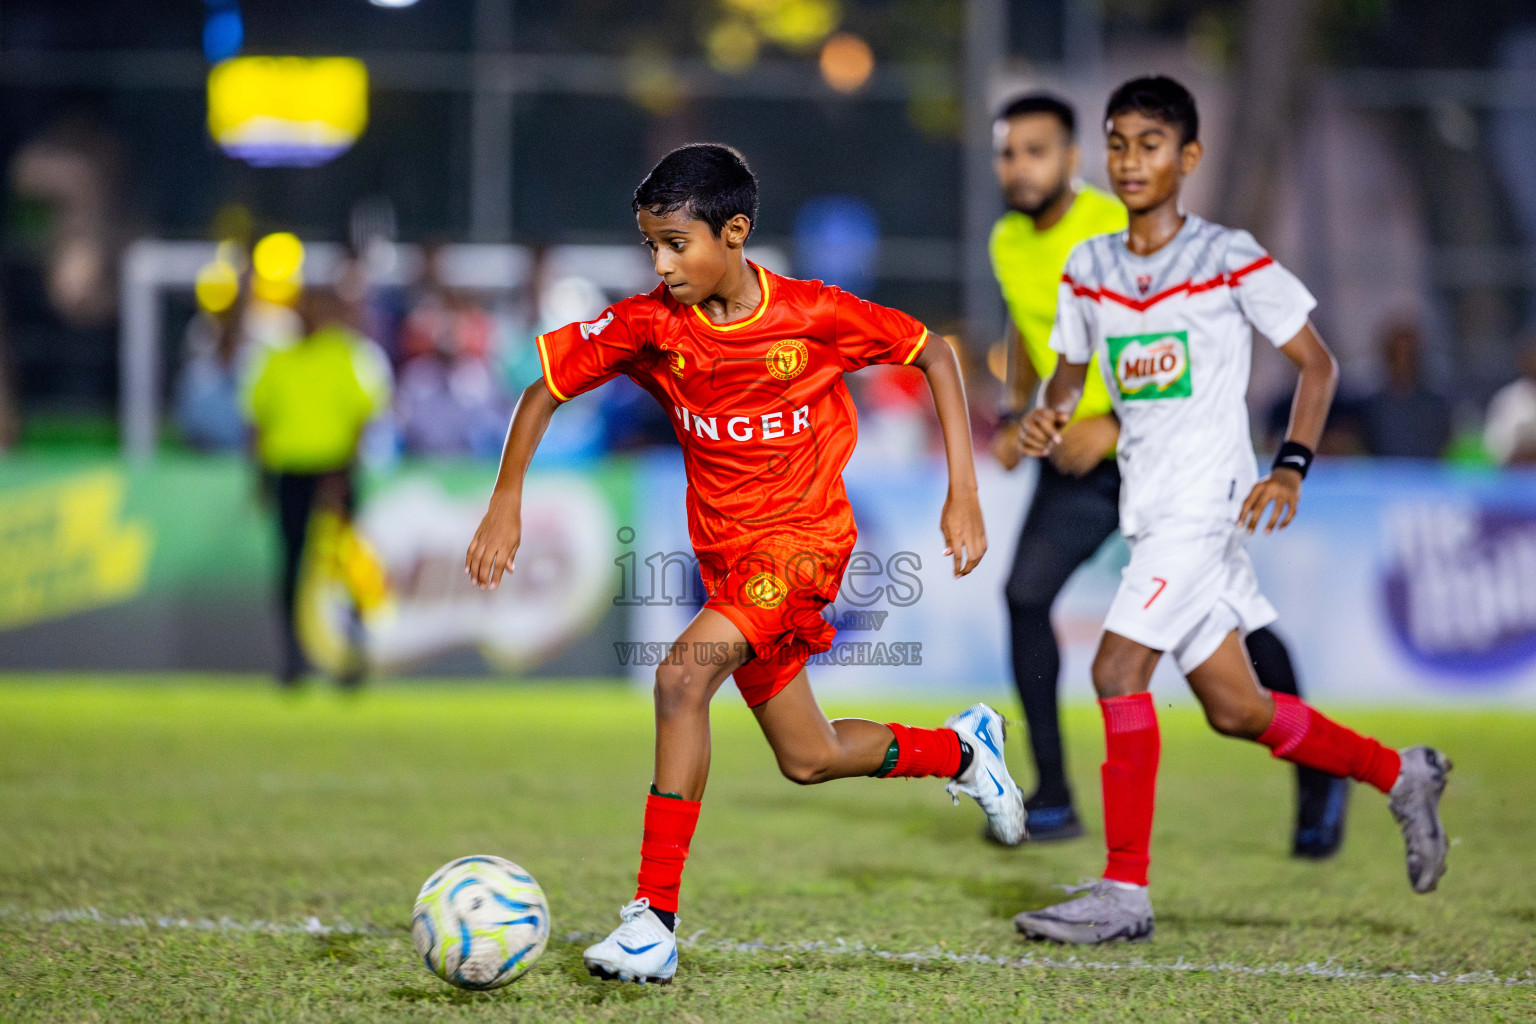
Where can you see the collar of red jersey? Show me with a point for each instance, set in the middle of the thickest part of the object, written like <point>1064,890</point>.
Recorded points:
<point>746,321</point>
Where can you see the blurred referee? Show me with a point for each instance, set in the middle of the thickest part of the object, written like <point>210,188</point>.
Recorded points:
<point>1075,506</point>
<point>308,402</point>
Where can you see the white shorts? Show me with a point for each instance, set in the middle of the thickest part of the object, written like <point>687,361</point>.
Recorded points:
<point>1187,586</point>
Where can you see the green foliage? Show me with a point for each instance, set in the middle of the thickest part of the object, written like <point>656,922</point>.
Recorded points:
<point>210,799</point>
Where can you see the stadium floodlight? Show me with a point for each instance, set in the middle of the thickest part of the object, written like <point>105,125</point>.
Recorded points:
<point>393,3</point>
<point>287,111</point>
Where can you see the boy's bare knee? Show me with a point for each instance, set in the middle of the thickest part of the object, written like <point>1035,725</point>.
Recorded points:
<point>1115,676</point>
<point>808,770</point>
<point>1239,719</point>
<point>679,688</point>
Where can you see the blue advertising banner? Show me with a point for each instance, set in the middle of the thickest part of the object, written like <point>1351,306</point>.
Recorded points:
<point>1396,583</point>
<point>1403,582</point>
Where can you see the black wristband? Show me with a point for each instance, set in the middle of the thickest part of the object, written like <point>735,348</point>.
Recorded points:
<point>1294,455</point>
<point>1008,416</point>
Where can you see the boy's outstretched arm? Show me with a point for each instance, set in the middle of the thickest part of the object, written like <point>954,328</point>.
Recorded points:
<point>965,536</point>
<point>1040,431</point>
<point>1309,414</point>
<point>501,531</point>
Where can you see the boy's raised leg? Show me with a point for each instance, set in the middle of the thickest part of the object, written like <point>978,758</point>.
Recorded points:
<point>968,750</point>
<point>1413,779</point>
<point>811,749</point>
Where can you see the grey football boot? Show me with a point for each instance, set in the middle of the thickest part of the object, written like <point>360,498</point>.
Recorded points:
<point>1105,912</point>
<point>1415,803</point>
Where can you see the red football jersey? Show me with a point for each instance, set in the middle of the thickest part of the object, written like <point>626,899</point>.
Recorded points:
<point>759,404</point>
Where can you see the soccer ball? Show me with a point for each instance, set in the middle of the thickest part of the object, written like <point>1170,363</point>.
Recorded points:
<point>480,922</point>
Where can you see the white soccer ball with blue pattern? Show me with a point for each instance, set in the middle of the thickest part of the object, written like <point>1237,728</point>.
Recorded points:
<point>480,922</point>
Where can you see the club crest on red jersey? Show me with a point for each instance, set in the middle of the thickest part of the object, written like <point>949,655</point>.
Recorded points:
<point>674,360</point>
<point>765,590</point>
<point>787,358</point>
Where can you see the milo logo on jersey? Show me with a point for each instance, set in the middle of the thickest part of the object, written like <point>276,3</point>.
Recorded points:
<point>1150,366</point>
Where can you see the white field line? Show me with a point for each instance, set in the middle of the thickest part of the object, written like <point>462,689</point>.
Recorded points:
<point>90,915</point>
<point>1329,970</point>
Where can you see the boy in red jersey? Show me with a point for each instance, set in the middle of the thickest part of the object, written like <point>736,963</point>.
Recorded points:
<point>750,367</point>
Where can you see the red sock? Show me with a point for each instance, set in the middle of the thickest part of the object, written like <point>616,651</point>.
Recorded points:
<point>1299,733</point>
<point>923,752</point>
<point>1131,749</point>
<point>669,825</point>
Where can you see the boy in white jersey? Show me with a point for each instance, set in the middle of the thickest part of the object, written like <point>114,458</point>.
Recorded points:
<point>1168,307</point>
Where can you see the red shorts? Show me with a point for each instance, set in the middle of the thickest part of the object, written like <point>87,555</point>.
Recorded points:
<point>777,602</point>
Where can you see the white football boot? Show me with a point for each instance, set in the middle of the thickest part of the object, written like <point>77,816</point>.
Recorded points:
<point>986,779</point>
<point>642,949</point>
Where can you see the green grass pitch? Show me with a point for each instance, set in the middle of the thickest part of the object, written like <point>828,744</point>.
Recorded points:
<point>164,842</point>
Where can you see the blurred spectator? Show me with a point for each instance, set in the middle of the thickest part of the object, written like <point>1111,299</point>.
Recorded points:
<point>896,415</point>
<point>1510,431</point>
<point>444,321</point>
<point>449,401</point>
<point>450,406</point>
<point>218,344</point>
<point>309,402</point>
<point>1404,419</point>
<point>265,323</point>
<point>208,390</point>
<point>74,168</point>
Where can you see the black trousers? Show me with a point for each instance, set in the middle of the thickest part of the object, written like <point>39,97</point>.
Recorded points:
<point>296,496</point>
<point>1069,518</point>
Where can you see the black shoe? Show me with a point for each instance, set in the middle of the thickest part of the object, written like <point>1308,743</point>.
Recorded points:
<point>1046,824</point>
<point>1321,802</point>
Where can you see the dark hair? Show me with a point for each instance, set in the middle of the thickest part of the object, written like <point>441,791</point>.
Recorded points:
<point>1041,103</point>
<point>1161,99</point>
<point>710,182</point>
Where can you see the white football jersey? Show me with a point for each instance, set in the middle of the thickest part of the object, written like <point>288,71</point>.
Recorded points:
<point>1172,332</point>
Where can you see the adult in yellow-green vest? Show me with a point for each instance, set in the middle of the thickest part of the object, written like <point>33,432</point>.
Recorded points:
<point>1075,505</point>
<point>308,402</point>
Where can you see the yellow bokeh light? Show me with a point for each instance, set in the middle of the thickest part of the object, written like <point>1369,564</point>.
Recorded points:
<point>799,24</point>
<point>218,285</point>
<point>278,256</point>
<point>731,46</point>
<point>652,82</point>
<point>281,292</point>
<point>935,114</point>
<point>847,62</point>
